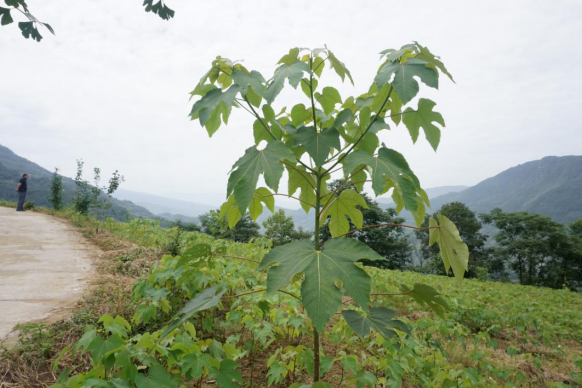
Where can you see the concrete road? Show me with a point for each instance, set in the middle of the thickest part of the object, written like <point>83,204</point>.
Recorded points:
<point>44,267</point>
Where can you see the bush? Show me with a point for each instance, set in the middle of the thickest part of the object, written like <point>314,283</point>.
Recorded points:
<point>482,273</point>
<point>28,205</point>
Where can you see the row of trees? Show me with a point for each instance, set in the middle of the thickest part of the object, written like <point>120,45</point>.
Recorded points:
<point>534,248</point>
<point>89,198</point>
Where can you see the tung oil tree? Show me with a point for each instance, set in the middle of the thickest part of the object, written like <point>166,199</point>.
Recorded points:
<point>325,133</point>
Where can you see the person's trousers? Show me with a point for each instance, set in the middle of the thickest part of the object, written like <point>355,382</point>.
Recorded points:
<point>21,198</point>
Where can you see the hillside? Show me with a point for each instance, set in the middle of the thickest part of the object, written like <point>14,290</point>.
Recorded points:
<point>551,186</point>
<point>13,166</point>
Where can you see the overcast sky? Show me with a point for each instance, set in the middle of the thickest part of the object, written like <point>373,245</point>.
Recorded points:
<point>112,86</point>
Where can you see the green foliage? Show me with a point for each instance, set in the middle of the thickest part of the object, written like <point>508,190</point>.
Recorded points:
<point>336,260</point>
<point>84,196</point>
<point>280,229</point>
<point>29,28</point>
<point>310,143</point>
<point>159,8</point>
<point>538,249</point>
<point>245,229</point>
<point>28,205</point>
<point>454,252</point>
<point>380,230</point>
<point>56,191</point>
<point>469,228</point>
<point>482,322</point>
<point>379,318</point>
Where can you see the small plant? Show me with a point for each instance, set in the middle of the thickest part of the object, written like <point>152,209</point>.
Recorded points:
<point>482,273</point>
<point>173,246</point>
<point>83,197</point>
<point>56,191</point>
<point>28,205</point>
<point>95,198</point>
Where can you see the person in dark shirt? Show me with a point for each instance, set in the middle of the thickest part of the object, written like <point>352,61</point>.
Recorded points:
<point>21,190</point>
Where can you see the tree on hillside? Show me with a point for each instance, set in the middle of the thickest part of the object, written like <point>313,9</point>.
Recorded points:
<point>389,242</point>
<point>215,226</point>
<point>470,231</point>
<point>29,28</point>
<point>56,190</point>
<point>280,229</point>
<point>540,250</point>
<point>84,195</point>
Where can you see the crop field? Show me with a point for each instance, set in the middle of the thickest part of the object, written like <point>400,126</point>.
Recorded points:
<point>492,334</point>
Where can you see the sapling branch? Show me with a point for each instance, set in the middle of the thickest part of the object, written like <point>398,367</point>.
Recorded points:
<point>257,291</point>
<point>300,173</point>
<point>311,91</point>
<point>259,118</point>
<point>236,257</point>
<point>389,224</point>
<point>365,132</point>
<point>288,196</point>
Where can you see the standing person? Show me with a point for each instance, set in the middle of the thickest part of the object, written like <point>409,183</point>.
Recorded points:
<point>21,189</point>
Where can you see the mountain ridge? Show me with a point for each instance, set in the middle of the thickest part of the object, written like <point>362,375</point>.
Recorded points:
<point>551,186</point>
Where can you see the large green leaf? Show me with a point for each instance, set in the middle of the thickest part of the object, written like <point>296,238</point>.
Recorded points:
<point>299,115</point>
<point>212,106</point>
<point>226,374</point>
<point>253,80</point>
<point>339,66</point>
<point>426,55</point>
<point>100,346</point>
<point>159,8</point>
<point>293,72</point>
<point>321,296</point>
<point>345,205</point>
<point>391,165</point>
<point>404,83</point>
<point>328,98</point>
<point>29,30</point>
<point>202,301</point>
<point>301,179</point>
<point>426,295</point>
<point>454,252</point>
<point>318,144</point>
<point>157,377</point>
<point>423,117</point>
<point>246,171</point>
<point>262,196</point>
<point>193,365</point>
<point>380,319</point>
<point>5,18</point>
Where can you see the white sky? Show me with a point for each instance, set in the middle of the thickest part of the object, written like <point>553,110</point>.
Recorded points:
<point>112,86</point>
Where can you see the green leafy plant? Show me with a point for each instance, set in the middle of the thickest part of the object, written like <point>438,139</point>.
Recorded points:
<point>56,190</point>
<point>312,141</point>
<point>173,337</point>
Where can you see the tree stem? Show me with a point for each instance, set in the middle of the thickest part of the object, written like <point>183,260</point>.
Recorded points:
<point>317,248</point>
<point>315,355</point>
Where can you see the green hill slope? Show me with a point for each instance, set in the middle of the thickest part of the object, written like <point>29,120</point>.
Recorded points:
<point>551,186</point>
<point>13,166</point>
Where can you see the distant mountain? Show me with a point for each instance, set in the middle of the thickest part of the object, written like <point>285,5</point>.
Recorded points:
<point>551,186</point>
<point>13,166</point>
<point>158,204</point>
